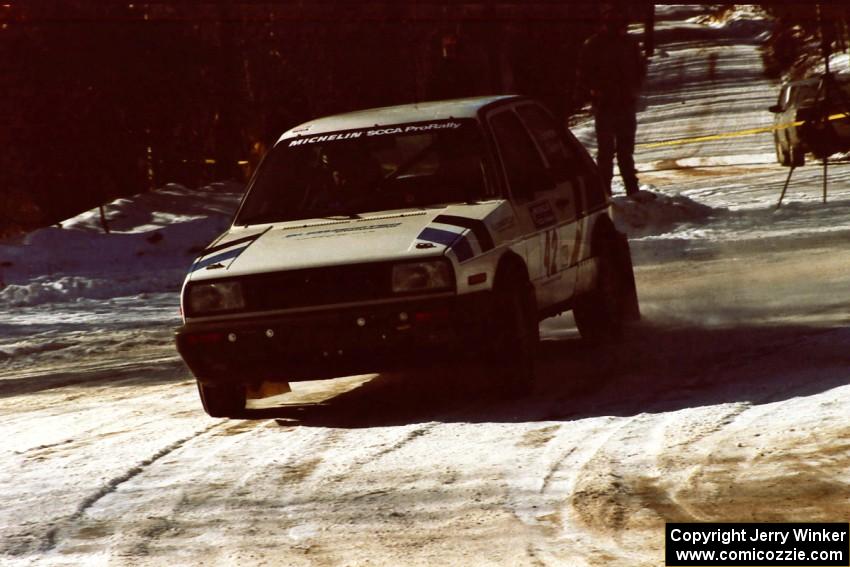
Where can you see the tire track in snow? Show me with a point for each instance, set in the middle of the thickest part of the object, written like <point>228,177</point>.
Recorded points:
<point>382,451</point>
<point>140,536</point>
<point>49,540</point>
<point>610,500</point>
<point>588,472</point>
<point>628,492</point>
<point>411,436</point>
<point>544,509</point>
<point>613,494</point>
<point>713,471</point>
<point>532,553</point>
<point>671,444</point>
<point>614,497</point>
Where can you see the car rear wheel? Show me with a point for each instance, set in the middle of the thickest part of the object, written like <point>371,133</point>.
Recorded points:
<point>601,314</point>
<point>225,400</point>
<point>630,304</point>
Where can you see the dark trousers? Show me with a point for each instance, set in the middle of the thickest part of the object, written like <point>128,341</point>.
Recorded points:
<point>615,134</point>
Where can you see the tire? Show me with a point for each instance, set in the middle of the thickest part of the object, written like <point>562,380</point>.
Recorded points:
<point>513,348</point>
<point>629,297</point>
<point>601,314</point>
<point>222,400</point>
<point>797,157</point>
<point>781,156</point>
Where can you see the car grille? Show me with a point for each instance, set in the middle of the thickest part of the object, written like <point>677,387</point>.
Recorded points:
<point>304,288</point>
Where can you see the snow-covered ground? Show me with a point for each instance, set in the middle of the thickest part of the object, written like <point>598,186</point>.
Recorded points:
<point>75,295</point>
<point>727,403</point>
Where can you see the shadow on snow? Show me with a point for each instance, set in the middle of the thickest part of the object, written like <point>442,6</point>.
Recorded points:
<point>655,369</point>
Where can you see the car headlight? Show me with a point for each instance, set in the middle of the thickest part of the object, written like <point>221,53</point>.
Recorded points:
<point>433,275</point>
<point>218,296</point>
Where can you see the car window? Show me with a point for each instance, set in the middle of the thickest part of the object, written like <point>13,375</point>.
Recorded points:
<point>594,190</point>
<point>804,94</point>
<point>838,97</point>
<point>355,171</point>
<point>524,167</point>
<point>562,163</point>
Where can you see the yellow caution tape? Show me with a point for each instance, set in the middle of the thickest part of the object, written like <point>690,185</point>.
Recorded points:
<point>721,136</point>
<point>212,161</point>
<point>738,134</point>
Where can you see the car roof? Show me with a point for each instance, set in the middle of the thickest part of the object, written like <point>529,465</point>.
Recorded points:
<point>802,83</point>
<point>816,79</point>
<point>390,115</point>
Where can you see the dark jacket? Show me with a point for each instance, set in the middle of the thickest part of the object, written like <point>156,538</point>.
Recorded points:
<point>451,79</point>
<point>611,70</point>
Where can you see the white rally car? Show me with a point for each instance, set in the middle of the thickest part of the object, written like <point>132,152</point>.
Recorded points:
<point>383,238</point>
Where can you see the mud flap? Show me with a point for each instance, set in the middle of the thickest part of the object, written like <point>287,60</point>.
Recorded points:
<point>267,389</point>
<point>630,306</point>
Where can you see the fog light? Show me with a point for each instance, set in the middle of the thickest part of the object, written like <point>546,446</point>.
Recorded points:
<point>269,333</point>
<point>361,321</point>
<point>231,337</point>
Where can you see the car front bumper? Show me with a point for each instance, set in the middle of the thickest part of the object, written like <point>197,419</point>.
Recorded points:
<point>335,342</point>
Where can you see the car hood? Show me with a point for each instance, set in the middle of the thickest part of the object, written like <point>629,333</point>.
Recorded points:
<point>459,231</point>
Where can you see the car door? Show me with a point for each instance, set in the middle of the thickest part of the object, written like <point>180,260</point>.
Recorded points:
<point>569,176</point>
<point>536,200</point>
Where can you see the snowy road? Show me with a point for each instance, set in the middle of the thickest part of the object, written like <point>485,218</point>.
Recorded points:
<point>729,402</point>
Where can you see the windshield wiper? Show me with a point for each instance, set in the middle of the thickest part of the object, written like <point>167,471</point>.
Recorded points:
<point>339,216</point>
<point>259,219</point>
<point>267,219</point>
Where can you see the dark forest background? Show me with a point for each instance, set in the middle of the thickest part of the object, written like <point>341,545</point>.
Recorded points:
<point>101,99</point>
<point>802,33</point>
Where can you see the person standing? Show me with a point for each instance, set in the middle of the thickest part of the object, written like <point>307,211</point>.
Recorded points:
<point>450,78</point>
<point>611,70</point>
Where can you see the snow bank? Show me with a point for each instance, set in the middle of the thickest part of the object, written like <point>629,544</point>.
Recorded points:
<point>651,212</point>
<point>152,241</point>
<point>24,348</point>
<point>736,17</point>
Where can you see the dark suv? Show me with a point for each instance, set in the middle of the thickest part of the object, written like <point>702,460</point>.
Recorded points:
<point>811,117</point>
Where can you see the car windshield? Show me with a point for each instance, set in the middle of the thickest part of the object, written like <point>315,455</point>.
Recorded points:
<point>807,94</point>
<point>349,172</point>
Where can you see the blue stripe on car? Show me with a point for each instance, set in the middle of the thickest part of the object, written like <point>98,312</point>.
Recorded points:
<point>201,264</point>
<point>443,237</point>
<point>457,242</point>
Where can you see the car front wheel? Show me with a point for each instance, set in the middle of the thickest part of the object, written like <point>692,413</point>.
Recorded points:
<point>516,333</point>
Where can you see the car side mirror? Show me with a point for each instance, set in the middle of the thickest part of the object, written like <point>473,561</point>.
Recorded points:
<point>775,108</point>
